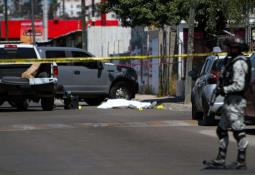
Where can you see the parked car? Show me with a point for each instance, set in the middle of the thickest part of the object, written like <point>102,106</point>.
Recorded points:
<point>205,85</point>
<point>19,91</point>
<point>203,88</point>
<point>91,81</point>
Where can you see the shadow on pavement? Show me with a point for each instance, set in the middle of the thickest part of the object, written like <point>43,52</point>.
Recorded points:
<point>165,100</point>
<point>30,109</point>
<point>250,131</point>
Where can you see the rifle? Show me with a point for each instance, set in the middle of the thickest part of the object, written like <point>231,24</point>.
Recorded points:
<point>214,94</point>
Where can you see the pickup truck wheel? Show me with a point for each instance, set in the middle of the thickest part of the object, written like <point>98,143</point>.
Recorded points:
<point>1,102</point>
<point>195,114</point>
<point>47,103</point>
<point>207,120</point>
<point>121,90</point>
<point>20,105</point>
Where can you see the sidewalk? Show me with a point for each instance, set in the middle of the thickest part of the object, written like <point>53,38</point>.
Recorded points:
<point>169,102</point>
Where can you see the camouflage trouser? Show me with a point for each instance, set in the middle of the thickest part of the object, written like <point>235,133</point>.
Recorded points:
<point>233,113</point>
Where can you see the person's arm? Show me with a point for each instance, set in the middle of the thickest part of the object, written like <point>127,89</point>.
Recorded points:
<point>240,69</point>
<point>31,71</point>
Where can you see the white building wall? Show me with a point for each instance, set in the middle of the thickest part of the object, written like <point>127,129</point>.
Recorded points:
<point>104,41</point>
<point>73,9</point>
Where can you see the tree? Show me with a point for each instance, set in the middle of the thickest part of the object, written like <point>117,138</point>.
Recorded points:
<point>53,9</point>
<point>211,16</point>
<point>143,12</point>
<point>214,15</point>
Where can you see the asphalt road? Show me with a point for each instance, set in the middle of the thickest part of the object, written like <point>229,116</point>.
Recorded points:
<point>108,142</point>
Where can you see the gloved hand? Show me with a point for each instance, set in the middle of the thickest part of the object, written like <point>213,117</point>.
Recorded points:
<point>219,91</point>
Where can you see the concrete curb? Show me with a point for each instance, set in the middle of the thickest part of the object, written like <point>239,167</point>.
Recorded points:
<point>169,102</point>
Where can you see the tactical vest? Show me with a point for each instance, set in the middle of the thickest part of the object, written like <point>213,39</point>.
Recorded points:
<point>228,74</point>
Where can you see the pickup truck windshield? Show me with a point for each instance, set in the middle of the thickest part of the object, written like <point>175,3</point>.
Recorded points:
<point>17,53</point>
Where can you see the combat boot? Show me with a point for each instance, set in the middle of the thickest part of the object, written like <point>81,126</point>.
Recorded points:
<point>237,166</point>
<point>215,164</point>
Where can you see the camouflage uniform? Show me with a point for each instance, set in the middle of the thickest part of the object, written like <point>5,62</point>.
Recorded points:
<point>234,84</point>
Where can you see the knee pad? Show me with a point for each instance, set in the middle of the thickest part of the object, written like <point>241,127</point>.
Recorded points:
<point>238,135</point>
<point>221,133</point>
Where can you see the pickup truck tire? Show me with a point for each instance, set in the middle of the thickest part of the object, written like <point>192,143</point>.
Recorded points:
<point>47,103</point>
<point>121,90</point>
<point>207,120</point>
<point>20,105</point>
<point>196,115</point>
<point>1,102</point>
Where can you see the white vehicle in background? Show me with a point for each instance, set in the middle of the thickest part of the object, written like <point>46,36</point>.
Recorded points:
<point>20,91</point>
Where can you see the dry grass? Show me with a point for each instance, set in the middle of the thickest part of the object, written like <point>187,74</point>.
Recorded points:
<point>172,85</point>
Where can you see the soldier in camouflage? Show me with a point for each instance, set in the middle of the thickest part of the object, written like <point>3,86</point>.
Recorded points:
<point>234,82</point>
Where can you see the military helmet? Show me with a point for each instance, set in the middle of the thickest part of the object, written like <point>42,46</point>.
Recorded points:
<point>235,42</point>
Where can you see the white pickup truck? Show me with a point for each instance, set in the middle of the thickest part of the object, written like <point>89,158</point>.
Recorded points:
<point>20,91</point>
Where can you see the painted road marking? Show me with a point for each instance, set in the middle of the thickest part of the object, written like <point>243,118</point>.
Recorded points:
<point>149,124</point>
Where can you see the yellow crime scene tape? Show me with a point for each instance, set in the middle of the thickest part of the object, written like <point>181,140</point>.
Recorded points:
<point>106,59</point>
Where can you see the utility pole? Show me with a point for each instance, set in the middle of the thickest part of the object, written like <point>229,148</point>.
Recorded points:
<point>93,12</point>
<point>45,19</point>
<point>247,22</point>
<point>0,30</point>
<point>33,20</point>
<point>188,79</point>
<point>6,20</point>
<point>84,30</point>
<point>63,7</point>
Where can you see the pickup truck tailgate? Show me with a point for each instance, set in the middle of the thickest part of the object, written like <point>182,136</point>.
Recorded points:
<point>23,81</point>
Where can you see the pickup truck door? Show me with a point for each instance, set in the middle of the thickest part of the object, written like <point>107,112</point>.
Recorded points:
<point>89,77</point>
<point>64,69</point>
<point>200,83</point>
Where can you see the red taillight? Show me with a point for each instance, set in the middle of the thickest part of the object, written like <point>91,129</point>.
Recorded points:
<point>55,71</point>
<point>214,77</point>
<point>10,46</point>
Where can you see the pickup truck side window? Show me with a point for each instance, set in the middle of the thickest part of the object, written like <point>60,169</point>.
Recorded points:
<point>89,65</point>
<point>204,68</point>
<point>17,53</point>
<point>56,54</point>
<point>208,67</point>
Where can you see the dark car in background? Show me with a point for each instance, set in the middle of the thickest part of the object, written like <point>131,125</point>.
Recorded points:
<point>91,81</point>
